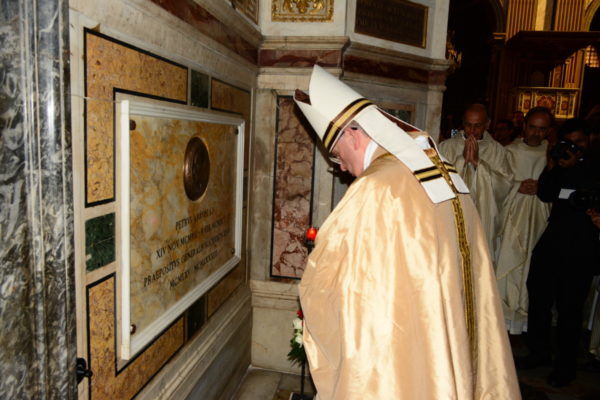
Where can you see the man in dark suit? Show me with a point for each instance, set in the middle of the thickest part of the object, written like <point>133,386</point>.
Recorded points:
<point>566,257</point>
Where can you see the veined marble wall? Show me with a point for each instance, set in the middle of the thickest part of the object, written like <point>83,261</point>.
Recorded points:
<point>37,309</point>
<point>292,195</point>
<point>190,56</point>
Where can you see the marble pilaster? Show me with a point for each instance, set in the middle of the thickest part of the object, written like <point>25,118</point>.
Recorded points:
<point>37,310</point>
<point>293,190</point>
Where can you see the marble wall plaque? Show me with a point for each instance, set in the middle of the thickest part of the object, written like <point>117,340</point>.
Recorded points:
<point>174,248</point>
<point>399,21</point>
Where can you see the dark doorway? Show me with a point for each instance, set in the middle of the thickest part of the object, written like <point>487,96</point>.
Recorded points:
<point>590,95</point>
<point>471,24</point>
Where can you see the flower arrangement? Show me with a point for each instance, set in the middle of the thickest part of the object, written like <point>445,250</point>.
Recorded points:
<point>297,354</point>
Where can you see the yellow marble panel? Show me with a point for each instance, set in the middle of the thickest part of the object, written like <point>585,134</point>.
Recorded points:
<point>230,98</point>
<point>177,243</point>
<point>113,65</point>
<point>221,292</point>
<point>106,383</point>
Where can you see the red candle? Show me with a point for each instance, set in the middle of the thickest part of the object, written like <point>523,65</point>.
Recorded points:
<point>311,233</point>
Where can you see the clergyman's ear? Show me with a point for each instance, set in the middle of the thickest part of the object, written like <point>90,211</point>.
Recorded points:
<point>355,135</point>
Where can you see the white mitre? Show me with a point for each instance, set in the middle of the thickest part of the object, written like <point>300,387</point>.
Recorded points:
<point>331,105</point>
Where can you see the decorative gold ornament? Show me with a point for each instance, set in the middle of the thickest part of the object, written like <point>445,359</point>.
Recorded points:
<point>196,168</point>
<point>302,10</point>
<point>452,54</point>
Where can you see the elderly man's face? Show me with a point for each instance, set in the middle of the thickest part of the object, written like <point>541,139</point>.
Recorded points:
<point>475,123</point>
<point>349,151</point>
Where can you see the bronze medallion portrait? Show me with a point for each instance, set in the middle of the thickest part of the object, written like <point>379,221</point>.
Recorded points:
<point>196,168</point>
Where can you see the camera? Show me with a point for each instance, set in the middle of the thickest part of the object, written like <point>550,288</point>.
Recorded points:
<point>584,199</point>
<point>559,151</point>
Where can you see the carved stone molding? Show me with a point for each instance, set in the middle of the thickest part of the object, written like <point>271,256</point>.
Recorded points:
<point>247,7</point>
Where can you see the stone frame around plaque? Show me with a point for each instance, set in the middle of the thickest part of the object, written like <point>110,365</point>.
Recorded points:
<point>131,340</point>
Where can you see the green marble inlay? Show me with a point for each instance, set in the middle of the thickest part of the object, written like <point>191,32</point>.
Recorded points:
<point>199,89</point>
<point>100,241</point>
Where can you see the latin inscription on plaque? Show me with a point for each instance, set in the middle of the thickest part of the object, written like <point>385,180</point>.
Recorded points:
<point>184,206</point>
<point>399,21</point>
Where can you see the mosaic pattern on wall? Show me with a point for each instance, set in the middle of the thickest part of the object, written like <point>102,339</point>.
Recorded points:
<point>112,65</point>
<point>292,192</point>
<point>107,382</point>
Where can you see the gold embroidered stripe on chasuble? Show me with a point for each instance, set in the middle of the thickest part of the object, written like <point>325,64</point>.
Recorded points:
<point>442,169</point>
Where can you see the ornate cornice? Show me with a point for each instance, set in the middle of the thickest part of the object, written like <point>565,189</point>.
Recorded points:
<point>217,24</point>
<point>302,51</point>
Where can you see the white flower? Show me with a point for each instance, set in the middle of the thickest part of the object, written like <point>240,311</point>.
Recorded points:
<point>297,324</point>
<point>298,339</point>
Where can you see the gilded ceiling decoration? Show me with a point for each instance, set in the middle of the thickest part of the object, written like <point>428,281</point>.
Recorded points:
<point>302,10</point>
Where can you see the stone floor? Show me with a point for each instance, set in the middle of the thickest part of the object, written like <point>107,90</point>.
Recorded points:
<point>260,384</point>
<point>533,382</point>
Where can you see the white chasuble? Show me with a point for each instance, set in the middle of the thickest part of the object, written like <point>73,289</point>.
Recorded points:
<point>488,183</point>
<point>384,297</point>
<point>524,218</point>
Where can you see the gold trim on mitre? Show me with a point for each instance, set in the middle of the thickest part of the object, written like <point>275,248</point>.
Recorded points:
<point>328,104</point>
<point>331,105</point>
<point>341,120</point>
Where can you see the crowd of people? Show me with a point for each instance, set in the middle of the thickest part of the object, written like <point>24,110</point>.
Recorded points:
<point>536,185</point>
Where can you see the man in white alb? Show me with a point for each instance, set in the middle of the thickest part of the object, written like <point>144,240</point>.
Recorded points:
<point>524,217</point>
<point>481,162</point>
